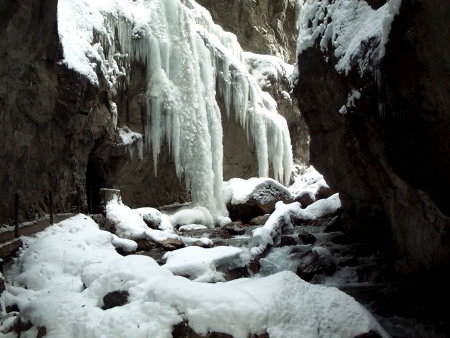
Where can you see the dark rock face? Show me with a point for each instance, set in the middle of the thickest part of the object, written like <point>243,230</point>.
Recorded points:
<point>389,157</point>
<point>263,27</point>
<point>40,120</point>
<point>56,127</point>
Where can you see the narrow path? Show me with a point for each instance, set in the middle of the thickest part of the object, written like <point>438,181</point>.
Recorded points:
<point>9,243</point>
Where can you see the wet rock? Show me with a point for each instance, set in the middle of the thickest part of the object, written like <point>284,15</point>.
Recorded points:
<point>313,263</point>
<point>259,220</point>
<point>305,198</point>
<point>2,284</point>
<point>334,224</point>
<point>287,241</point>
<point>372,272</point>
<point>297,251</point>
<point>348,261</point>
<point>183,330</point>
<point>328,218</point>
<point>115,298</point>
<point>261,202</point>
<point>104,223</point>
<point>234,228</point>
<point>152,222</point>
<point>375,4</point>
<point>172,244</point>
<point>306,237</point>
<point>254,266</point>
<point>338,238</point>
<point>145,244</point>
<point>157,254</point>
<point>325,192</point>
<point>236,273</point>
<point>202,244</point>
<point>370,334</point>
<point>12,308</point>
<point>20,327</point>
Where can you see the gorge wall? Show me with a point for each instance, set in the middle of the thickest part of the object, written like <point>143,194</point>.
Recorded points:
<point>56,126</point>
<point>59,128</point>
<point>379,132</point>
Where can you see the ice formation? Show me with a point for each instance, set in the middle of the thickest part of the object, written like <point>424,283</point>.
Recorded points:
<point>187,56</point>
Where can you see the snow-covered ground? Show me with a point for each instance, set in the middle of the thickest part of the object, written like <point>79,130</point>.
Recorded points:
<point>62,275</point>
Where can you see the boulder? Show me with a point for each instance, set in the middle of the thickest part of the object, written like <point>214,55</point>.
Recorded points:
<point>305,198</point>
<point>306,237</point>
<point>183,330</point>
<point>171,244</point>
<point>202,244</point>
<point>313,263</point>
<point>234,228</point>
<point>145,244</point>
<point>259,220</point>
<point>261,202</point>
<point>114,298</point>
<point>287,241</point>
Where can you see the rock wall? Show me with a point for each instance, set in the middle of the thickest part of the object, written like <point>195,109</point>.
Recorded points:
<point>56,127</point>
<point>40,120</point>
<point>389,156</point>
<point>262,27</point>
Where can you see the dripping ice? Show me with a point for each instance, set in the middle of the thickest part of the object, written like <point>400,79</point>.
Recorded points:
<point>189,60</point>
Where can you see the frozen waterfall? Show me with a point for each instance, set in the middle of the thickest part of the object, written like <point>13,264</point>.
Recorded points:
<point>189,61</point>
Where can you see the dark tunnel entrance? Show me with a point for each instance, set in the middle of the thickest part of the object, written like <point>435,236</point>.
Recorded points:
<point>93,185</point>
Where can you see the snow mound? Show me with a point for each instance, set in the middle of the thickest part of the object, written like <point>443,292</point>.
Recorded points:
<point>60,279</point>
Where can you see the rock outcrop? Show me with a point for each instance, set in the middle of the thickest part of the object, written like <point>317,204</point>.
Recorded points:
<point>263,27</point>
<point>56,126</point>
<point>388,152</point>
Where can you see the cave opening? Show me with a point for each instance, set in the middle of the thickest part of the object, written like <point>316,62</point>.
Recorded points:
<point>93,184</point>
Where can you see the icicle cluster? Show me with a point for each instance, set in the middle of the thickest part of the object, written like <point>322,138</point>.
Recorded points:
<point>186,56</point>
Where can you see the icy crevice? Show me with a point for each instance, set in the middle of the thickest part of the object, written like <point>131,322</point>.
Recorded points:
<point>186,56</point>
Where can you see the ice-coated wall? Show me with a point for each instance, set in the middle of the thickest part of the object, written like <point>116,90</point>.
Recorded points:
<point>189,60</point>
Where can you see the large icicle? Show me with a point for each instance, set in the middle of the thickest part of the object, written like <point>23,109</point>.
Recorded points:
<point>240,91</point>
<point>186,56</point>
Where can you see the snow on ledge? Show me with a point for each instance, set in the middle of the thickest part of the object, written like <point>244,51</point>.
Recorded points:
<point>344,24</point>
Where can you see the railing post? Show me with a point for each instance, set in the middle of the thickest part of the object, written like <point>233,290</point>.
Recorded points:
<point>50,196</point>
<point>90,200</point>
<point>78,200</point>
<point>16,216</point>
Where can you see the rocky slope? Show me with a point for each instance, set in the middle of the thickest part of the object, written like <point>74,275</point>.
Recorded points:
<point>388,153</point>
